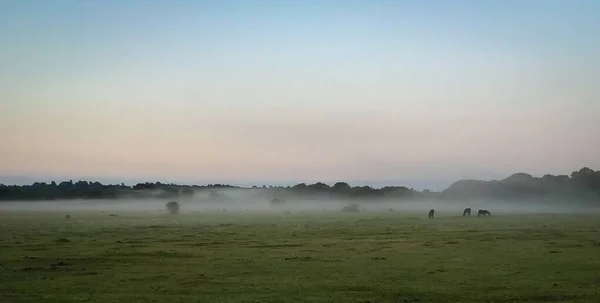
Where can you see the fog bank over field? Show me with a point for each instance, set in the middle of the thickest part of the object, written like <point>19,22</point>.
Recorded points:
<point>518,193</point>
<point>237,202</point>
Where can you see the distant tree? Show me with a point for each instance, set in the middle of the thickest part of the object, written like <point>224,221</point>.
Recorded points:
<point>276,201</point>
<point>341,187</point>
<point>301,186</point>
<point>319,186</point>
<point>351,208</point>
<point>366,191</point>
<point>172,207</point>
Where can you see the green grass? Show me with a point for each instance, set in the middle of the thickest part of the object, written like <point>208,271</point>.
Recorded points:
<point>345,257</point>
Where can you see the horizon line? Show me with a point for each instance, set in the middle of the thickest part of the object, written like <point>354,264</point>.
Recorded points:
<point>20,180</point>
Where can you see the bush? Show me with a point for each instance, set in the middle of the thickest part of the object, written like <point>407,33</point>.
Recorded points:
<point>173,207</point>
<point>276,201</point>
<point>351,208</point>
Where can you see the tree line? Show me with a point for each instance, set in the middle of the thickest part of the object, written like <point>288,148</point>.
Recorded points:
<point>581,184</point>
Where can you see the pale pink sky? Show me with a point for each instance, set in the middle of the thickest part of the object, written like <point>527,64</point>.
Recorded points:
<point>84,93</point>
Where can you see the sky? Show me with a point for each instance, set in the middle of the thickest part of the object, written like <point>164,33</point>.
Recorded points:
<point>404,92</point>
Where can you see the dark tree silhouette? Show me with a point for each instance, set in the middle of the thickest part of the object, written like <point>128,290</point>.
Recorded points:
<point>172,207</point>
<point>583,184</point>
<point>353,208</point>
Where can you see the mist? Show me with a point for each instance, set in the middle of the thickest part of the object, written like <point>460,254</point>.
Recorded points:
<point>261,201</point>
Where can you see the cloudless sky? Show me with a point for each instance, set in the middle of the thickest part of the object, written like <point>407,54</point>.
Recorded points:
<point>408,92</point>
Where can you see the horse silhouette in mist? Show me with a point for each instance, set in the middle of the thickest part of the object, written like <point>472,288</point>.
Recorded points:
<point>483,212</point>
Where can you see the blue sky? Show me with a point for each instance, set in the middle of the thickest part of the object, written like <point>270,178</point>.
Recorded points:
<point>414,92</point>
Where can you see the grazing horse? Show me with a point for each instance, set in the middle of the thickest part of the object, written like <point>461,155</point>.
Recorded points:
<point>483,212</point>
<point>430,216</point>
<point>467,211</point>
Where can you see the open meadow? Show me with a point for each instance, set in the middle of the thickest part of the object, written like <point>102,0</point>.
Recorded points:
<point>298,257</point>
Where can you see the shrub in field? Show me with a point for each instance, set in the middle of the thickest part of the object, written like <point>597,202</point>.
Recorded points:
<point>276,201</point>
<point>351,208</point>
<point>173,207</point>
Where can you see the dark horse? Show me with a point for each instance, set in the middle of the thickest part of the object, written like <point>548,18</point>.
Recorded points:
<point>467,211</point>
<point>483,212</point>
<point>431,214</point>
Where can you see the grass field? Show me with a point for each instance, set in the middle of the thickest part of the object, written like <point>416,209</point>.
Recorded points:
<point>345,257</point>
